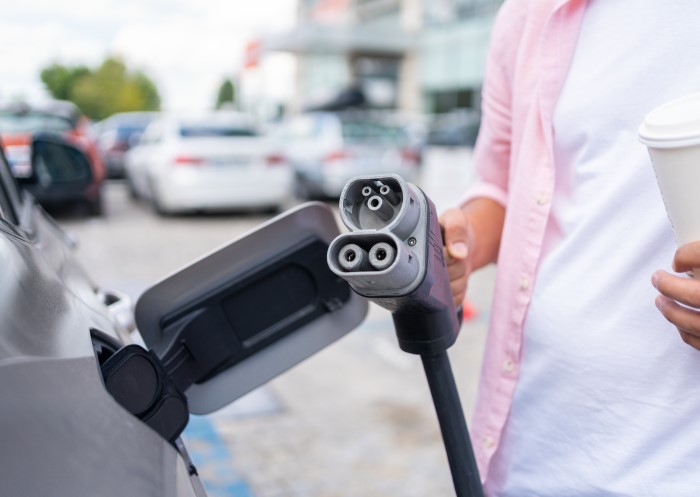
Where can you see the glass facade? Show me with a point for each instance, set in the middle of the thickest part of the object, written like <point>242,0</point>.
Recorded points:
<point>454,44</point>
<point>449,11</point>
<point>413,55</point>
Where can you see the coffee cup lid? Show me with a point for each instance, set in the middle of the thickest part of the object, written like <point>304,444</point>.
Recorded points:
<point>673,124</point>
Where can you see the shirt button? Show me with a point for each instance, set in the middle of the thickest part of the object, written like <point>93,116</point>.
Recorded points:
<point>489,442</point>
<point>508,366</point>
<point>524,283</point>
<point>542,198</point>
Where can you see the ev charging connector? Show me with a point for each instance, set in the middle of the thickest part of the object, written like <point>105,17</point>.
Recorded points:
<point>393,255</point>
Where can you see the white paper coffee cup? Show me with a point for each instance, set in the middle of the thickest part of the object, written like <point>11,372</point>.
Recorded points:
<point>671,133</point>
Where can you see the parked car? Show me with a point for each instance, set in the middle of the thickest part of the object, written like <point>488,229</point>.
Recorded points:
<point>117,134</point>
<point>19,120</point>
<point>458,128</point>
<point>327,149</point>
<point>212,161</point>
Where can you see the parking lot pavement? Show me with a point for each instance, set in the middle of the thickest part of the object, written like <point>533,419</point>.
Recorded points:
<point>213,459</point>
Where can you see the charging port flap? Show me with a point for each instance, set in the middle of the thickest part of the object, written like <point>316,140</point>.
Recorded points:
<point>247,312</point>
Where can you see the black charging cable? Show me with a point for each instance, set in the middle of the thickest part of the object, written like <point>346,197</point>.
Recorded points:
<point>453,426</point>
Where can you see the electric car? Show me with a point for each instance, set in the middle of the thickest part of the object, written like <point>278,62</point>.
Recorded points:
<point>61,432</point>
<point>84,411</point>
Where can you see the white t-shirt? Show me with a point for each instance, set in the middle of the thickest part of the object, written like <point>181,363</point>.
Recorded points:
<point>608,398</point>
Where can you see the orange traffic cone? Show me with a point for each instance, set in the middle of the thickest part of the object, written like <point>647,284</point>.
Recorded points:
<point>469,312</point>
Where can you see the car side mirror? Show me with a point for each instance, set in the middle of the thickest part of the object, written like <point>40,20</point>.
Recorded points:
<point>55,161</point>
<point>247,312</point>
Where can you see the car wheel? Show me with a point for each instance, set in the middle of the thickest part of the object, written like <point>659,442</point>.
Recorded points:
<point>158,205</point>
<point>272,210</point>
<point>95,206</point>
<point>133,194</point>
<point>156,202</point>
<point>302,188</point>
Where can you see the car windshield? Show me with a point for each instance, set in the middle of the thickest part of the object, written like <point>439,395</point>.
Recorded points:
<point>125,132</point>
<point>214,131</point>
<point>26,122</point>
<point>360,131</point>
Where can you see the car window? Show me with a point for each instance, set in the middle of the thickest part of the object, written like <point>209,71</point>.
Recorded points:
<point>123,133</point>
<point>25,122</point>
<point>207,131</point>
<point>361,131</point>
<point>153,134</point>
<point>9,194</point>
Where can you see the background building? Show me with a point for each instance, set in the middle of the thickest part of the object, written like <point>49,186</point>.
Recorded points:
<point>453,50</point>
<point>411,55</point>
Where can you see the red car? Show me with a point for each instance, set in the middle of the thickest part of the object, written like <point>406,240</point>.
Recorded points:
<point>19,120</point>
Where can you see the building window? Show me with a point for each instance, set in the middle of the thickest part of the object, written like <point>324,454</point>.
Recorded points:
<point>448,11</point>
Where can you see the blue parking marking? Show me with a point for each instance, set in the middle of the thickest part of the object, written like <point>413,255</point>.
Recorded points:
<point>213,460</point>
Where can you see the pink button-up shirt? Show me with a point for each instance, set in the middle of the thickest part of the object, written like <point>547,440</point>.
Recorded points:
<point>532,47</point>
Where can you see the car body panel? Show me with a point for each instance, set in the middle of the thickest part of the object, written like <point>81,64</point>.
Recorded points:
<point>69,437</point>
<point>61,432</point>
<point>42,289</point>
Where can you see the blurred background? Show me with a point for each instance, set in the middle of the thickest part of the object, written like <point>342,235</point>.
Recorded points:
<point>204,119</point>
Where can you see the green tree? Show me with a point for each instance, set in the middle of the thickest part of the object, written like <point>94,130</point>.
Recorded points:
<point>227,94</point>
<point>60,80</point>
<point>103,91</point>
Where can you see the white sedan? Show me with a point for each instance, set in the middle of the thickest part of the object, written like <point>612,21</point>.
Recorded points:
<point>204,162</point>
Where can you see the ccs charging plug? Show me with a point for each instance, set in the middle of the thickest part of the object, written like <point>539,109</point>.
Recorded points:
<point>393,256</point>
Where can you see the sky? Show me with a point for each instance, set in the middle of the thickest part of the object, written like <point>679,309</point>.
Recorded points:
<point>187,47</point>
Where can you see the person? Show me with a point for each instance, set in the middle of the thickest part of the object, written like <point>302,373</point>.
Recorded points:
<point>585,390</point>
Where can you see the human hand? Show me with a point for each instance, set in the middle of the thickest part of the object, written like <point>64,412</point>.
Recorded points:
<point>677,290</point>
<point>458,238</point>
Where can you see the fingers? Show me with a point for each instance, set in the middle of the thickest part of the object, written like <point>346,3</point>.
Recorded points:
<point>455,233</point>
<point>691,340</point>
<point>457,271</point>
<point>680,289</point>
<point>687,257</point>
<point>457,238</point>
<point>687,321</point>
<point>674,292</point>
